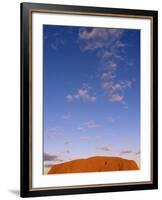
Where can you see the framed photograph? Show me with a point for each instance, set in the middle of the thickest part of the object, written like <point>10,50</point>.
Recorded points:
<point>89,103</point>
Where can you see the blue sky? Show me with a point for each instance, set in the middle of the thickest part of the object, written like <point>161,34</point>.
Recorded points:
<point>91,92</point>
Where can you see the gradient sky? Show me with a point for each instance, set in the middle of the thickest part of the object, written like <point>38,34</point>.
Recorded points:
<point>91,92</point>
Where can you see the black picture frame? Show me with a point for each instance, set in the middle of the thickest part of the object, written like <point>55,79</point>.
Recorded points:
<point>26,78</point>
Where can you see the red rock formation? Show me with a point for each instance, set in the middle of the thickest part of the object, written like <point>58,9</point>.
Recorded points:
<point>94,164</point>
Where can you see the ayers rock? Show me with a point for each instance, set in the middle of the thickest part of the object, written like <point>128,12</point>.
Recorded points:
<point>94,164</point>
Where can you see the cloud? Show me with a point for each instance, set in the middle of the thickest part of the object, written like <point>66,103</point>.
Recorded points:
<point>108,45</point>
<point>57,132</point>
<point>113,89</point>
<point>83,94</point>
<point>111,65</point>
<point>67,115</point>
<point>117,98</point>
<point>118,85</point>
<point>66,151</point>
<point>69,98</point>
<point>104,54</point>
<point>50,157</point>
<point>88,125</point>
<point>126,151</point>
<point>90,137</point>
<point>107,76</point>
<point>56,41</point>
<point>104,148</point>
<point>67,142</point>
<point>129,151</point>
<point>137,153</point>
<point>99,38</point>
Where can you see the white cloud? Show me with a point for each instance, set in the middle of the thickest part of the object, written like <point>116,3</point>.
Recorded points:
<point>99,38</point>
<point>110,65</point>
<point>83,94</point>
<point>113,89</point>
<point>69,98</point>
<point>107,76</point>
<point>108,45</point>
<point>105,54</point>
<point>88,125</point>
<point>111,86</point>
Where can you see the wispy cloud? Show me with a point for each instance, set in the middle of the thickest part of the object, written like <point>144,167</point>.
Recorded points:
<point>66,151</point>
<point>113,86</point>
<point>66,115</point>
<point>117,98</point>
<point>69,98</point>
<point>67,142</point>
<point>50,157</point>
<point>109,64</point>
<point>86,138</point>
<point>107,76</point>
<point>57,132</point>
<point>84,94</point>
<point>104,148</point>
<point>137,153</point>
<point>108,45</point>
<point>56,41</point>
<point>126,151</point>
<point>90,137</point>
<point>88,125</point>
<point>114,90</point>
<point>97,38</point>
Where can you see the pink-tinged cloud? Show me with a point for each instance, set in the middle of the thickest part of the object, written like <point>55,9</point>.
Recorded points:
<point>98,38</point>
<point>108,46</point>
<point>109,65</point>
<point>83,94</point>
<point>113,88</point>
<point>117,98</point>
<point>105,54</point>
<point>119,44</point>
<point>107,76</point>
